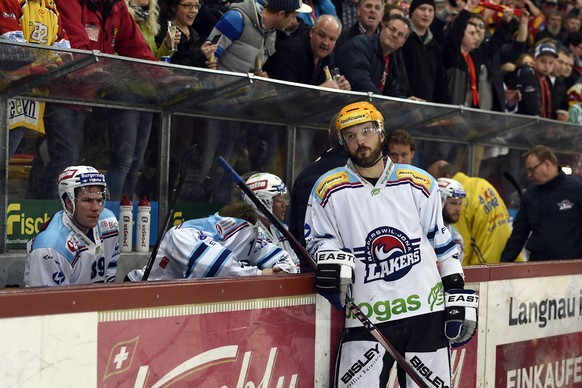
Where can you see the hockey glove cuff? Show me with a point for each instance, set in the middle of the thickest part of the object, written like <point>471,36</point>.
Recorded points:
<point>460,315</point>
<point>334,275</point>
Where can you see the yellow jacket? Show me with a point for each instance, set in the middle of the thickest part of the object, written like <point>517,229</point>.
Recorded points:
<point>484,221</point>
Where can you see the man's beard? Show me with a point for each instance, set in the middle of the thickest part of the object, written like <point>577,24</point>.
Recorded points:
<point>367,161</point>
<point>448,219</point>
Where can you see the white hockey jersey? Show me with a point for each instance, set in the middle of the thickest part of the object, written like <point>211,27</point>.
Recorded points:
<point>458,239</point>
<point>62,255</point>
<point>396,232</point>
<point>276,237</point>
<point>215,246</point>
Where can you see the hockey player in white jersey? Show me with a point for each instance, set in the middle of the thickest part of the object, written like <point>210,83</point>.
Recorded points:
<point>376,230</point>
<point>272,191</point>
<point>79,244</point>
<point>228,243</point>
<point>452,197</point>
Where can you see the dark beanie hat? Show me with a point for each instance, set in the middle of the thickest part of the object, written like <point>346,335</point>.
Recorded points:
<point>417,3</point>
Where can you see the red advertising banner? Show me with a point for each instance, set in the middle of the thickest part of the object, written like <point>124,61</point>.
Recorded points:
<point>266,347</point>
<point>543,362</point>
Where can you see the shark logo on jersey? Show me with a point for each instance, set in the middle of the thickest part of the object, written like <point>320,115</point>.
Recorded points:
<point>390,254</point>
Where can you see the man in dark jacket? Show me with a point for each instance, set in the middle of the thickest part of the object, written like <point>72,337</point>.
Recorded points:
<point>464,54</point>
<point>330,159</point>
<point>551,211</point>
<point>303,58</point>
<point>423,56</point>
<point>369,61</point>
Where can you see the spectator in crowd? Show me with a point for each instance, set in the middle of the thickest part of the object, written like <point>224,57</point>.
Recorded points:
<point>146,13</point>
<point>347,218</point>
<point>574,101</point>
<point>539,21</point>
<point>369,18</point>
<point>549,219</point>
<point>346,10</point>
<point>570,26</point>
<point>318,8</point>
<point>129,131</point>
<point>224,244</point>
<point>423,56</point>
<point>330,159</point>
<point>104,25</point>
<point>566,61</point>
<point>533,82</point>
<point>191,50</point>
<point>553,26</point>
<point>248,33</point>
<point>368,61</point>
<point>272,191</point>
<point>79,244</point>
<point>574,44</point>
<point>467,56</point>
<point>15,26</point>
<point>557,83</point>
<point>401,146</point>
<point>303,58</point>
<point>452,197</point>
<point>484,221</point>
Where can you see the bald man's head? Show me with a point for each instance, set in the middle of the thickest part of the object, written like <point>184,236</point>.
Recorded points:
<point>441,169</point>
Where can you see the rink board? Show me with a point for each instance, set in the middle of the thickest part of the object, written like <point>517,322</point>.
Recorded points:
<point>271,332</point>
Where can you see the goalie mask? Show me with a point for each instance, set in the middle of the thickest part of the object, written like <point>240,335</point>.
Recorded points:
<point>450,188</point>
<point>75,177</point>
<point>358,113</point>
<point>266,187</point>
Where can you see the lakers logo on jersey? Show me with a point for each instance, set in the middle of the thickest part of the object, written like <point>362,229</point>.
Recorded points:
<point>390,254</point>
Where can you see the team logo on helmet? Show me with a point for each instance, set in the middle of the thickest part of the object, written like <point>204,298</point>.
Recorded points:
<point>390,254</point>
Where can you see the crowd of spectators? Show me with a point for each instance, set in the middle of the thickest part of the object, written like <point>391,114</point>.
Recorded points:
<point>520,56</point>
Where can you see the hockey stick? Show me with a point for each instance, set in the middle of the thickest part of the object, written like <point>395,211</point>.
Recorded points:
<point>368,325</point>
<point>164,228</point>
<point>514,183</point>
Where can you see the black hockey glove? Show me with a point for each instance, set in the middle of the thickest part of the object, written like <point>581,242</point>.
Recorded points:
<point>460,315</point>
<point>334,275</point>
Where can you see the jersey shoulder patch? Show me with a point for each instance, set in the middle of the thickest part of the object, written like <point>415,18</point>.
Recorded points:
<point>329,182</point>
<point>417,177</point>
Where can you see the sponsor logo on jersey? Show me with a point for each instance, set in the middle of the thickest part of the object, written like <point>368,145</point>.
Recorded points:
<point>427,373</point>
<point>7,15</point>
<point>436,296</point>
<point>58,277</point>
<point>363,365</point>
<point>416,177</point>
<point>306,230</point>
<point>390,254</point>
<point>330,182</point>
<point>224,226</point>
<point>164,262</point>
<point>565,205</point>
<point>384,310</point>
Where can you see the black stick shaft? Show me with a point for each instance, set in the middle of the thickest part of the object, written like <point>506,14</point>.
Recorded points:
<point>514,183</point>
<point>298,248</point>
<point>164,227</point>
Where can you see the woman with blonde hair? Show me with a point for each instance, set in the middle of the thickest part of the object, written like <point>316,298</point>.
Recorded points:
<point>146,13</point>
